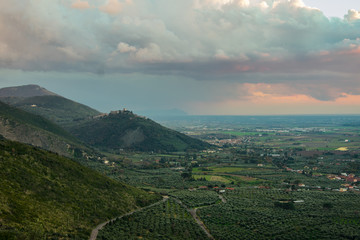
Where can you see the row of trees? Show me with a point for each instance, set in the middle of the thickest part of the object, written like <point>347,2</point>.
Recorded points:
<point>168,220</point>
<point>274,214</point>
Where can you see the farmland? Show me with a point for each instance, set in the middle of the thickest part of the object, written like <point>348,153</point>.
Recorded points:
<point>168,220</point>
<point>259,214</point>
<point>263,181</point>
<point>196,198</point>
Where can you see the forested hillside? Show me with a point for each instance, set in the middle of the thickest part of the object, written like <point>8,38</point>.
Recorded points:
<point>125,130</point>
<point>46,196</point>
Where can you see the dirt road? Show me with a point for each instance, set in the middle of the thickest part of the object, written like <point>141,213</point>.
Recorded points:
<point>95,231</point>
<point>192,211</point>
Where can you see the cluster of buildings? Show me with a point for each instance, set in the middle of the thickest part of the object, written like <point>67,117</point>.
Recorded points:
<point>351,178</point>
<point>124,111</point>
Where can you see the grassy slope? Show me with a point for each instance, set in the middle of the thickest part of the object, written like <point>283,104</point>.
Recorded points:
<point>33,120</point>
<point>44,195</point>
<point>108,133</point>
<point>58,109</point>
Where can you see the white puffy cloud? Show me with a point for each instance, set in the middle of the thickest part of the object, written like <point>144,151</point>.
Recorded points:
<point>125,48</point>
<point>220,3</point>
<point>352,15</point>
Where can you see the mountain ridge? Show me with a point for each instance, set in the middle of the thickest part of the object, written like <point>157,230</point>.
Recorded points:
<point>25,91</point>
<point>38,100</point>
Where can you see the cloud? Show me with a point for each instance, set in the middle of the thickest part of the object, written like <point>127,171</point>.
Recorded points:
<point>352,15</point>
<point>319,91</point>
<point>152,53</point>
<point>80,4</point>
<point>125,48</point>
<point>232,41</point>
<point>221,55</point>
<point>112,7</point>
<point>70,52</point>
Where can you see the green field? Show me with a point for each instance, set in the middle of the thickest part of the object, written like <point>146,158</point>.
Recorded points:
<point>212,178</point>
<point>218,169</point>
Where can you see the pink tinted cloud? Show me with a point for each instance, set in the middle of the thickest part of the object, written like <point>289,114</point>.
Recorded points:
<point>285,95</point>
<point>354,50</point>
<point>348,99</point>
<point>242,68</point>
<point>270,94</point>
<point>267,104</point>
<point>306,92</point>
<point>80,4</point>
<point>114,6</point>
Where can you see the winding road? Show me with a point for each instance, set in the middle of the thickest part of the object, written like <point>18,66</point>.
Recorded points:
<point>223,200</point>
<point>95,231</point>
<point>192,212</point>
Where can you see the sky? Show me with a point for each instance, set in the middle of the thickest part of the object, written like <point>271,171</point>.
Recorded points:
<point>206,57</point>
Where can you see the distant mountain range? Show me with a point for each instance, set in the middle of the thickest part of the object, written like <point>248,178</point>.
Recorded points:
<point>108,132</point>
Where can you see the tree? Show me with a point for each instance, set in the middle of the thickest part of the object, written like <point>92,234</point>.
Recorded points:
<point>285,205</point>
<point>328,205</point>
<point>186,175</point>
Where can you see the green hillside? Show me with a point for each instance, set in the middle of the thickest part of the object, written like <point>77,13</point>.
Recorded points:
<point>125,130</point>
<point>22,126</point>
<point>46,196</point>
<point>60,110</point>
<point>33,120</point>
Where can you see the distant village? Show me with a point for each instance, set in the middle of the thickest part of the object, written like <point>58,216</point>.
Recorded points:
<point>123,111</point>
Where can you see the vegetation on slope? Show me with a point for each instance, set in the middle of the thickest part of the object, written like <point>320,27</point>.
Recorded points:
<point>168,220</point>
<point>125,130</point>
<point>110,133</point>
<point>23,117</point>
<point>57,109</point>
<point>46,196</point>
<point>19,125</point>
<point>25,91</point>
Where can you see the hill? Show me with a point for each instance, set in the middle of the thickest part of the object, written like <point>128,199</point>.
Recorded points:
<point>19,125</point>
<point>108,132</point>
<point>125,130</point>
<point>38,100</point>
<point>24,91</point>
<point>46,196</point>
<point>59,110</point>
